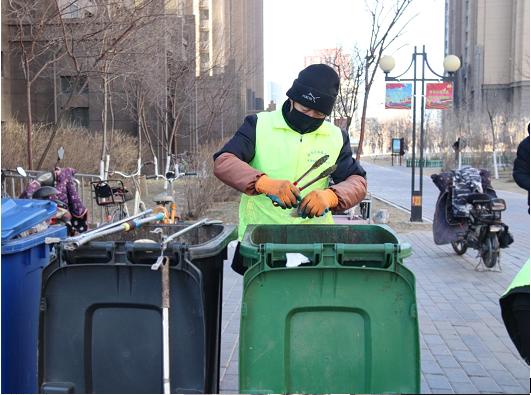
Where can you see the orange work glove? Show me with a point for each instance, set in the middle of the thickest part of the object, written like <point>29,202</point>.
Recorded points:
<point>282,192</point>
<point>317,203</point>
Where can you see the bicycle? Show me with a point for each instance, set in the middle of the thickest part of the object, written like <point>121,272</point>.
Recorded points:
<point>163,200</point>
<point>113,196</point>
<point>139,205</point>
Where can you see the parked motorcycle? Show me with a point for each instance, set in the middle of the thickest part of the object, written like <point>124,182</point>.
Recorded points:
<point>468,214</point>
<point>60,187</point>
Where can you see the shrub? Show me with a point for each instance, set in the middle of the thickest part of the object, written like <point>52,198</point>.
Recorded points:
<point>82,147</point>
<point>205,190</point>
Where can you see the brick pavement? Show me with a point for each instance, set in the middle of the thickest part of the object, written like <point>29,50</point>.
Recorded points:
<point>464,345</point>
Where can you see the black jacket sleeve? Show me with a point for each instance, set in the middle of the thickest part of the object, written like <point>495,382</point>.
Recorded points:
<point>243,142</point>
<point>521,165</point>
<point>242,145</point>
<point>346,164</point>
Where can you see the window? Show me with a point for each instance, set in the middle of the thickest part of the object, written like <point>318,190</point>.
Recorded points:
<point>79,116</point>
<point>70,9</point>
<point>73,84</point>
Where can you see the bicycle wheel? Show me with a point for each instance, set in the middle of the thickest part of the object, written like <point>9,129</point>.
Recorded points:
<point>119,213</point>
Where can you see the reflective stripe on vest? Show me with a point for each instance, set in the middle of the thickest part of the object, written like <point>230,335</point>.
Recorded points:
<point>520,280</point>
<point>284,154</point>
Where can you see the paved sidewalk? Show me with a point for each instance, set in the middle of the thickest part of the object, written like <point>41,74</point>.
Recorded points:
<point>464,345</point>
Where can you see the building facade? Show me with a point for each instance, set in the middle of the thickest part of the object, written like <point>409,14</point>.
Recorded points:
<point>491,37</point>
<point>229,33</point>
<point>210,78</point>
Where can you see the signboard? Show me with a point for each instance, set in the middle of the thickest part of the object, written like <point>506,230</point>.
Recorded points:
<point>396,146</point>
<point>398,95</point>
<point>439,95</point>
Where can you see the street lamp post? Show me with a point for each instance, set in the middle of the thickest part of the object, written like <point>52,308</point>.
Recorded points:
<point>451,64</point>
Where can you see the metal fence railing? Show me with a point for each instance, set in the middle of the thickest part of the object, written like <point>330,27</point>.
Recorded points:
<point>13,185</point>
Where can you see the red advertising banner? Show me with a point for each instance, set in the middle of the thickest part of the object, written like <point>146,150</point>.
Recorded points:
<point>439,95</point>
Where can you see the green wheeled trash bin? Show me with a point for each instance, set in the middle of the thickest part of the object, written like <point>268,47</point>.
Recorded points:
<point>101,318</point>
<point>345,321</point>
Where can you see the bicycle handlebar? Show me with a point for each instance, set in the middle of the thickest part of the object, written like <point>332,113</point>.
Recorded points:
<point>156,177</point>
<point>131,175</point>
<point>124,175</point>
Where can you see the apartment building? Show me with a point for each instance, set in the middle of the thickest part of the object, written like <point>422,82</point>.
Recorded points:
<point>491,37</point>
<point>212,71</point>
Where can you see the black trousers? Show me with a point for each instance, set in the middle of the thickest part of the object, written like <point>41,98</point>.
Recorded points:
<point>515,313</point>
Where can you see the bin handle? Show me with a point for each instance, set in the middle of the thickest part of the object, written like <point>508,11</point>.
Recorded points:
<point>333,255</point>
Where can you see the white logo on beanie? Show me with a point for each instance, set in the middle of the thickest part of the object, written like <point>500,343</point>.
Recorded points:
<point>309,96</point>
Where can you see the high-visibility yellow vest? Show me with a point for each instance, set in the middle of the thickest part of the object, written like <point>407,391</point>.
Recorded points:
<point>283,153</point>
<point>520,280</point>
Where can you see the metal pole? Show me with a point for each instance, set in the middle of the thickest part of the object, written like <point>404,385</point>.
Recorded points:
<point>185,230</point>
<point>422,102</point>
<point>108,226</point>
<point>124,227</point>
<point>165,272</point>
<point>414,140</point>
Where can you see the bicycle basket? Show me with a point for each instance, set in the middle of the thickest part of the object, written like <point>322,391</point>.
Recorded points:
<point>109,192</point>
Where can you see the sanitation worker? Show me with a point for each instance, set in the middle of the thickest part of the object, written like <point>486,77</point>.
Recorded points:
<point>514,302</point>
<point>271,150</point>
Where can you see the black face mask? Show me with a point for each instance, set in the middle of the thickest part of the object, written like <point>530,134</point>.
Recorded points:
<point>301,122</point>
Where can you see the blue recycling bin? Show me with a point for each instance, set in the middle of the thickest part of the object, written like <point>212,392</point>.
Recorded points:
<point>23,260</point>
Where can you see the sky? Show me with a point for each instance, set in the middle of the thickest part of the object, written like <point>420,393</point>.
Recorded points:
<point>294,29</point>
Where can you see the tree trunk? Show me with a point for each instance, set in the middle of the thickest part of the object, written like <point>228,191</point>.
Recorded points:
<point>104,119</point>
<point>139,127</point>
<point>362,126</point>
<point>494,159</point>
<point>29,126</point>
<point>495,162</point>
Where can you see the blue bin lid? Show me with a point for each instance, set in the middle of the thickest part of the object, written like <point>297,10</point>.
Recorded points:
<point>25,243</point>
<point>19,215</point>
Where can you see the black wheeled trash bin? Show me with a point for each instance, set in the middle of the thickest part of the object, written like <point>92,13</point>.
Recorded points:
<point>101,329</point>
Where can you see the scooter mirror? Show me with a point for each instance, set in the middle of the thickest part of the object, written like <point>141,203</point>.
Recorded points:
<point>61,153</point>
<point>46,179</point>
<point>21,171</point>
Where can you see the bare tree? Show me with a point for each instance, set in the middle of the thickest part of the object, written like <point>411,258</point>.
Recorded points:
<point>39,47</point>
<point>194,107</point>
<point>385,29</point>
<point>496,110</point>
<point>350,69</point>
<point>94,41</point>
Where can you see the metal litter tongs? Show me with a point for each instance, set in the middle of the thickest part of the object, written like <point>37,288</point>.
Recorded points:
<point>318,163</point>
<point>163,263</point>
<point>324,174</point>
